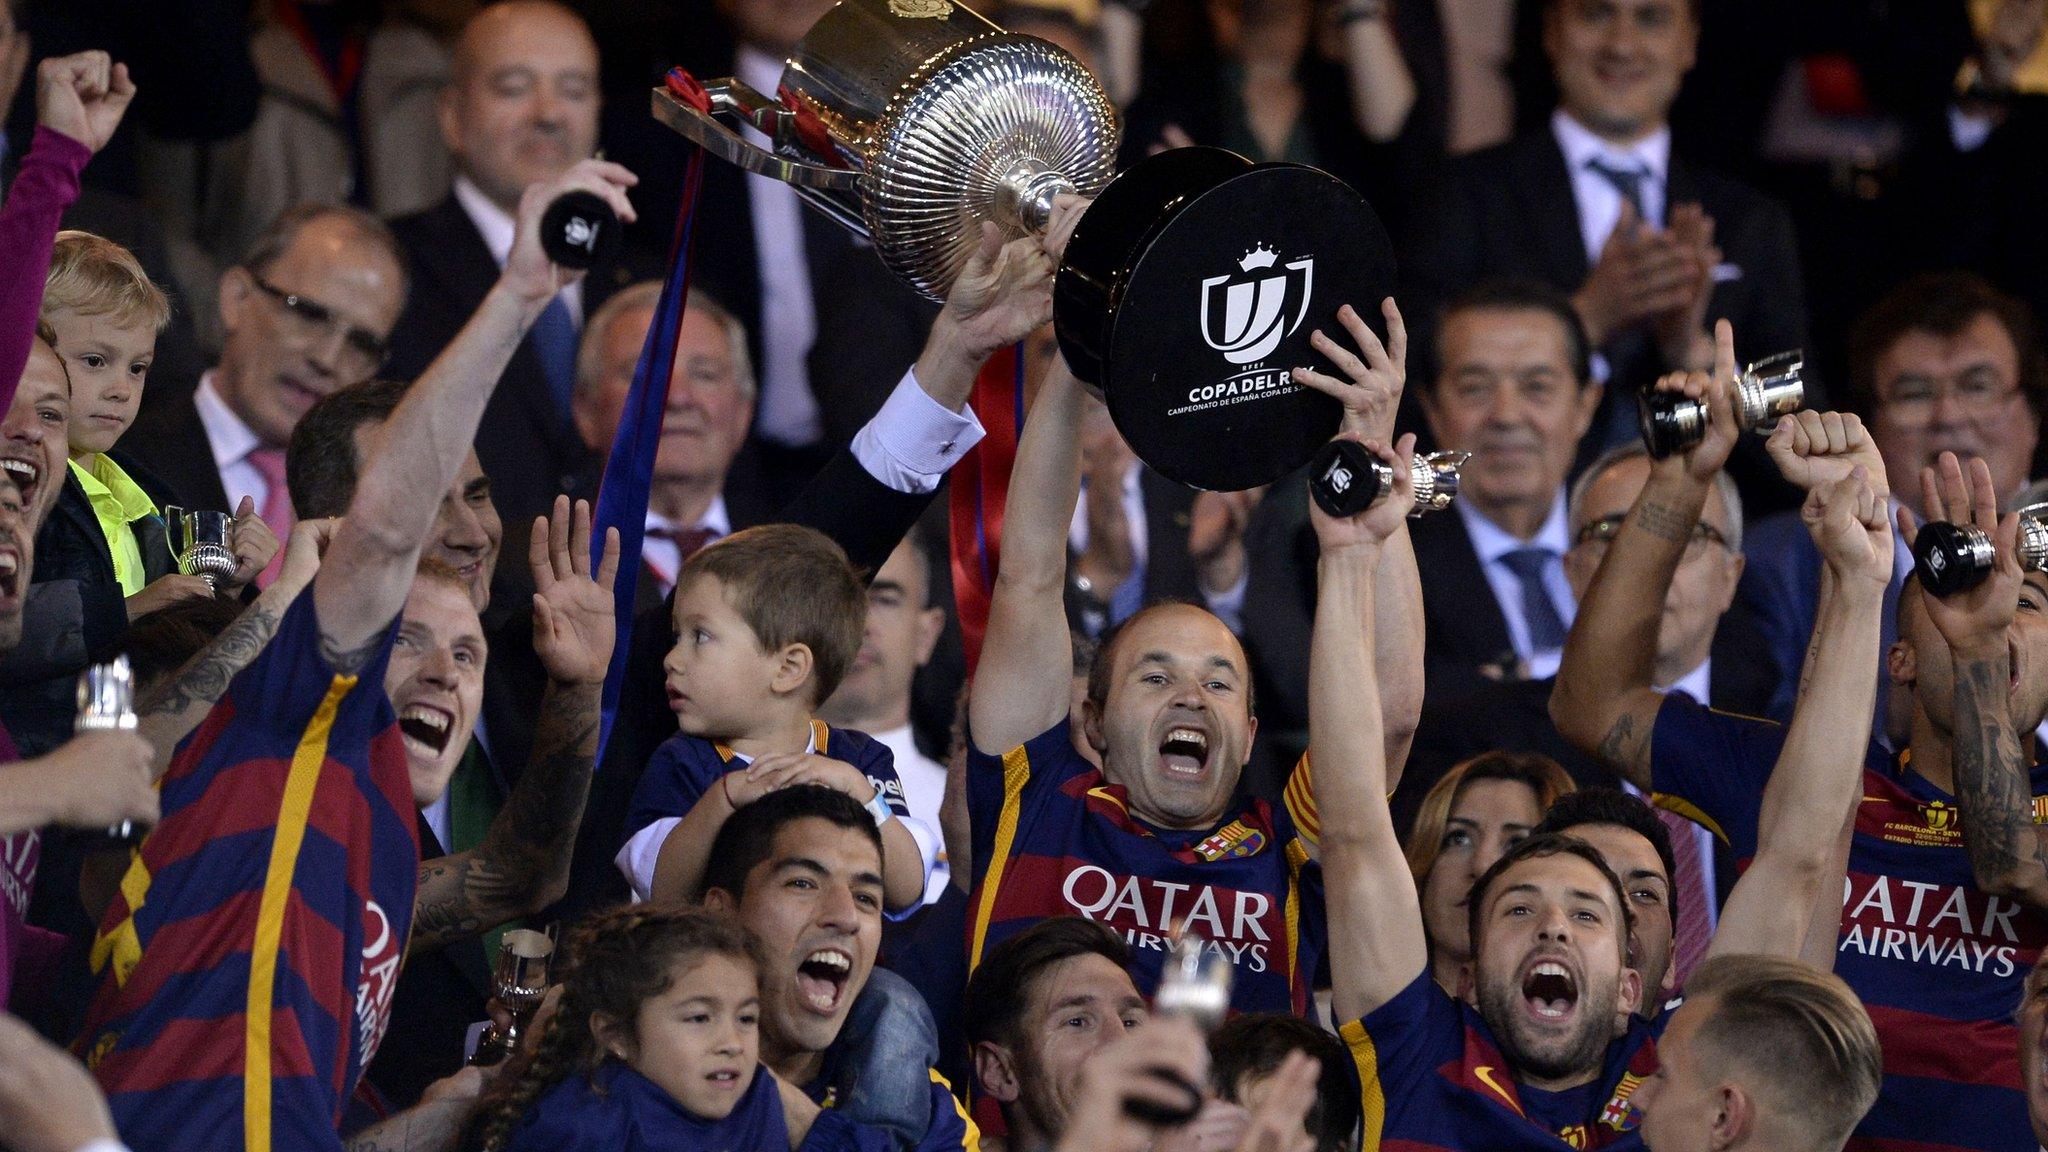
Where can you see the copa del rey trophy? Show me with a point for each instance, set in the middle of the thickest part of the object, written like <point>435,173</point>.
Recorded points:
<point>1189,288</point>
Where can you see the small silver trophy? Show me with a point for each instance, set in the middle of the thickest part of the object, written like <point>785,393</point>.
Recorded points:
<point>203,543</point>
<point>1952,558</point>
<point>520,980</point>
<point>1194,986</point>
<point>106,703</point>
<point>1764,391</point>
<point>1345,479</point>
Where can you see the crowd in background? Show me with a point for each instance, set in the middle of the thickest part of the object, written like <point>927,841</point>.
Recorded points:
<point>1635,799</point>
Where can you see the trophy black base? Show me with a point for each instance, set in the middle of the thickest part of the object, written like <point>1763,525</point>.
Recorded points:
<point>1188,293</point>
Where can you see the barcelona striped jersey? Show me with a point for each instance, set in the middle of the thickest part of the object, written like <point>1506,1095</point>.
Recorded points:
<point>1938,962</point>
<point>1053,837</point>
<point>1435,1080</point>
<point>246,966</point>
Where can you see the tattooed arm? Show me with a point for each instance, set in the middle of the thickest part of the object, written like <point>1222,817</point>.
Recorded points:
<point>432,1125</point>
<point>1606,698</point>
<point>522,865</point>
<point>169,712</point>
<point>1992,781</point>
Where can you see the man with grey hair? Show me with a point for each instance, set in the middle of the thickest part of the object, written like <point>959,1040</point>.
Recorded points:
<point>1700,622</point>
<point>694,498</point>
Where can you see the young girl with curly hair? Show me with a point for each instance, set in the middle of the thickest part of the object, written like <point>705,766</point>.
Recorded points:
<point>655,1047</point>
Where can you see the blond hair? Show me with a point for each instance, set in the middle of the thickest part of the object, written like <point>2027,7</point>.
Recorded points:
<point>93,276</point>
<point>1800,1038</point>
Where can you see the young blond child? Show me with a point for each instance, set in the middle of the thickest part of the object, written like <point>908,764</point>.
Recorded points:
<point>106,315</point>
<point>768,620</point>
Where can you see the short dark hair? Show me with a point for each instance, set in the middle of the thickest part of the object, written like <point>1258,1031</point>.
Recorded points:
<point>996,993</point>
<point>792,585</point>
<point>1613,806</point>
<point>320,465</point>
<point>1536,847</point>
<point>1255,1044</point>
<point>1521,295</point>
<point>1942,304</point>
<point>748,835</point>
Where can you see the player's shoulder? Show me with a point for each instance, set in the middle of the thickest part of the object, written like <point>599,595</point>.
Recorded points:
<point>854,746</point>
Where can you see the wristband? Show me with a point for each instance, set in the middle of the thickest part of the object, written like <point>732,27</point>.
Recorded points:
<point>880,810</point>
<point>1355,11</point>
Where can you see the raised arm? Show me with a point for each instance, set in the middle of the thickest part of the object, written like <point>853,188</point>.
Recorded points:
<point>1377,945</point>
<point>1819,774</point>
<point>522,864</point>
<point>1025,649</point>
<point>1370,390</point>
<point>2008,852</point>
<point>368,569</point>
<point>1606,700</point>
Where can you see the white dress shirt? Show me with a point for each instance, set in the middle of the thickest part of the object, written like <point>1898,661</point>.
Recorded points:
<point>1492,542</point>
<point>924,792</point>
<point>231,440</point>
<point>499,230</point>
<point>1599,201</point>
<point>788,410</point>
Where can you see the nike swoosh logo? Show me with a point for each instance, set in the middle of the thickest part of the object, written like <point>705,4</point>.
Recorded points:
<point>1485,1074</point>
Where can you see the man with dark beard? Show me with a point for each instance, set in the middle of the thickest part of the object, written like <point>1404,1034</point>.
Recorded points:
<point>1553,1049</point>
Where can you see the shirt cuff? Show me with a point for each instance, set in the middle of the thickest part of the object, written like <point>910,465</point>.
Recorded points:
<point>102,1145</point>
<point>637,858</point>
<point>914,439</point>
<point>928,848</point>
<point>1966,131</point>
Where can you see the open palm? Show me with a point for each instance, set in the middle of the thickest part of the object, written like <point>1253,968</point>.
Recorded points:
<point>573,622</point>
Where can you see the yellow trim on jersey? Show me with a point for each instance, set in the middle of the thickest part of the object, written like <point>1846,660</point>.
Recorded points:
<point>971,1142</point>
<point>1016,773</point>
<point>1299,798</point>
<point>293,814</point>
<point>124,945</point>
<point>1372,1095</point>
<point>1683,807</point>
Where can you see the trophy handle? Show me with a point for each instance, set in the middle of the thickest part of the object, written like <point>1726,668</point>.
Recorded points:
<point>734,98</point>
<point>174,528</point>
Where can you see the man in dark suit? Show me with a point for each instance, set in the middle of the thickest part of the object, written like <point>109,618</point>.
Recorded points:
<point>306,313</point>
<point>1599,204</point>
<point>521,108</point>
<point>829,327</point>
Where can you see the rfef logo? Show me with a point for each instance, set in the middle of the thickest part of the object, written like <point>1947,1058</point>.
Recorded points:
<point>1256,307</point>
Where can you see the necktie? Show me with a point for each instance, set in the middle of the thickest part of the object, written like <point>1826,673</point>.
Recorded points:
<point>1627,180</point>
<point>686,540</point>
<point>1546,627</point>
<point>554,339</point>
<point>1694,927</point>
<point>277,504</point>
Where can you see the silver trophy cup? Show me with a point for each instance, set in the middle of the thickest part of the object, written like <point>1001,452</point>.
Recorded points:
<point>911,121</point>
<point>106,703</point>
<point>203,543</point>
<point>520,980</point>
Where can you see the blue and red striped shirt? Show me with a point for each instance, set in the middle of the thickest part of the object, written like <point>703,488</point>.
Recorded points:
<point>1938,962</point>
<point>1053,837</point>
<point>247,964</point>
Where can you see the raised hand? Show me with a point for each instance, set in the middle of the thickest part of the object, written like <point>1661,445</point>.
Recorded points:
<point>1973,621</point>
<point>1067,210</point>
<point>1814,448</point>
<point>1716,387</point>
<point>302,553</point>
<point>1371,388</point>
<point>573,624</point>
<point>166,591</point>
<point>2016,30</point>
<point>529,274</point>
<point>253,543</point>
<point>83,95</point>
<point>1280,1122</point>
<point>1003,293</point>
<point>1381,520</point>
<point>1130,1067</point>
<point>96,779</point>
<point>1848,523</point>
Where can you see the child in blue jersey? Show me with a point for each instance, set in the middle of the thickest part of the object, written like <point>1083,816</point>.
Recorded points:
<point>655,1047</point>
<point>767,622</point>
